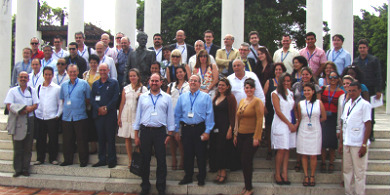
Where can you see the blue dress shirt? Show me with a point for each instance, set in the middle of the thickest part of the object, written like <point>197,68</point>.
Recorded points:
<point>76,94</point>
<point>108,92</point>
<point>154,111</point>
<point>202,109</point>
<point>341,58</point>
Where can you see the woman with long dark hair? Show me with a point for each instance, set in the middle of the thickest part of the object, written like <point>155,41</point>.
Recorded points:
<point>264,66</point>
<point>207,71</point>
<point>299,62</point>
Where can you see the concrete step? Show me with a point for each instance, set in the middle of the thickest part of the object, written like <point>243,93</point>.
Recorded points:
<point>133,186</point>
<point>380,143</point>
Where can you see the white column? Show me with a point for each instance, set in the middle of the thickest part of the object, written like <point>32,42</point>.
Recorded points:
<point>126,18</point>
<point>75,18</point>
<point>5,42</point>
<point>26,25</point>
<point>233,12</point>
<point>342,22</point>
<point>152,19</point>
<point>388,62</point>
<point>314,19</point>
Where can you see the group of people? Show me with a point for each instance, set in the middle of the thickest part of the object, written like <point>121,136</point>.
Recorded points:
<point>206,101</point>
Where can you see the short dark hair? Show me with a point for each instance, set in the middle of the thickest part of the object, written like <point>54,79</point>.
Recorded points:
<point>75,44</point>
<point>363,41</point>
<point>157,35</point>
<point>338,36</point>
<point>250,82</point>
<point>253,33</point>
<point>48,68</point>
<point>156,62</point>
<point>208,31</point>
<point>27,48</point>
<point>310,34</point>
<point>284,69</point>
<point>79,33</point>
<point>312,87</point>
<point>286,35</point>
<point>356,83</point>
<point>48,47</point>
<point>94,57</point>
<point>58,37</point>
<point>167,47</point>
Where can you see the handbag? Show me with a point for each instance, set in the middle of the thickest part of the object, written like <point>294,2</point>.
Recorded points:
<point>136,161</point>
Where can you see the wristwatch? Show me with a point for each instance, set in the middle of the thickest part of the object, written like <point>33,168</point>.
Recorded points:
<point>364,145</point>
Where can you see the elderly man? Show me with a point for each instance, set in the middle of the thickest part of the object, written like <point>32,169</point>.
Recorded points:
<point>157,47</point>
<point>199,45</point>
<point>122,59</point>
<point>186,50</point>
<point>194,113</point>
<point>35,77</point>
<point>75,58</point>
<point>48,60</point>
<point>47,114</point>
<point>60,76</point>
<point>24,65</point>
<point>101,47</point>
<point>254,39</point>
<point>82,49</point>
<point>355,132</point>
<point>104,97</point>
<point>110,52</point>
<point>238,78</point>
<point>75,95</point>
<point>154,117</point>
<point>58,51</point>
<point>21,102</point>
<point>36,53</point>
<point>315,56</point>
<point>286,54</point>
<point>250,63</point>
<point>226,55</point>
<point>210,47</point>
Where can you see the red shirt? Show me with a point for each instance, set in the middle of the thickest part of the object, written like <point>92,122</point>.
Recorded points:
<point>330,103</point>
<point>38,55</point>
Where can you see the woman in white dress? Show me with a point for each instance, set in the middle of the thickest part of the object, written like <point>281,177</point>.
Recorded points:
<point>283,127</point>
<point>128,107</point>
<point>311,112</point>
<point>175,89</point>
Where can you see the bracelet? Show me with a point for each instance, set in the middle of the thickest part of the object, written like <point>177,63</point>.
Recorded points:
<point>364,145</point>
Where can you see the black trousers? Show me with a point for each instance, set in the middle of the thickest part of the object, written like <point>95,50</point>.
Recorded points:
<point>194,147</point>
<point>75,131</point>
<point>153,137</point>
<point>23,149</point>
<point>106,128</point>
<point>47,128</point>
<point>245,146</point>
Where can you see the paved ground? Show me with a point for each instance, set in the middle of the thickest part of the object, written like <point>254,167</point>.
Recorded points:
<point>26,191</point>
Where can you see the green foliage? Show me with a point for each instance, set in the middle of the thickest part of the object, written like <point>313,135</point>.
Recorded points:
<point>49,15</point>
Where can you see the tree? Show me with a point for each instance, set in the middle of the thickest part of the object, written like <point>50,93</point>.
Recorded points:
<point>49,16</point>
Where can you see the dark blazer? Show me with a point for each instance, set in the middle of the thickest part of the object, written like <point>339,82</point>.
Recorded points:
<point>190,50</point>
<point>213,49</point>
<point>142,60</point>
<point>79,61</point>
<point>249,60</point>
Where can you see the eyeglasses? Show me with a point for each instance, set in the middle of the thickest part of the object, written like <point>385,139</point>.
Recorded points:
<point>175,56</point>
<point>244,49</point>
<point>333,77</point>
<point>227,39</point>
<point>118,37</point>
<point>193,81</point>
<point>61,64</point>
<point>203,56</point>
<point>34,43</point>
<point>72,48</point>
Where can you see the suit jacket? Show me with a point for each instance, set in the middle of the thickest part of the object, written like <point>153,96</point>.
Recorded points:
<point>190,50</point>
<point>213,50</point>
<point>249,60</point>
<point>142,60</point>
<point>17,124</point>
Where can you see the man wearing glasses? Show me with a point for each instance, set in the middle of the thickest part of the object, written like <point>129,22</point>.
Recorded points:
<point>60,76</point>
<point>34,42</point>
<point>249,63</point>
<point>226,55</point>
<point>58,51</point>
<point>48,60</point>
<point>118,38</point>
<point>75,58</point>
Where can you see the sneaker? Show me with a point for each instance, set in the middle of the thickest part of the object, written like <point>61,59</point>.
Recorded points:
<point>38,163</point>
<point>54,162</point>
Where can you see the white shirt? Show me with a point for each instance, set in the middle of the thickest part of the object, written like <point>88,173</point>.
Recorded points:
<point>111,52</point>
<point>85,54</point>
<point>238,86</point>
<point>353,123</point>
<point>183,51</point>
<point>51,62</point>
<point>35,80</point>
<point>61,54</point>
<point>158,54</point>
<point>50,103</point>
<point>59,79</point>
<point>192,61</point>
<point>111,65</point>
<point>16,96</point>
<point>175,92</point>
<point>287,58</point>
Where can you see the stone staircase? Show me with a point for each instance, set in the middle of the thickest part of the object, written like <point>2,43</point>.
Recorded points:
<point>119,179</point>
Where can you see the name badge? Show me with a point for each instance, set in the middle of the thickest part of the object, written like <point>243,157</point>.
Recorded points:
<point>68,103</point>
<point>190,114</point>
<point>97,98</point>
<point>309,124</point>
<point>153,113</point>
<point>216,130</point>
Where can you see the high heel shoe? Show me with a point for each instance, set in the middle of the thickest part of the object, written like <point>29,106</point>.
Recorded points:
<point>312,181</point>
<point>306,183</point>
<point>278,182</point>
<point>285,182</point>
<point>217,179</point>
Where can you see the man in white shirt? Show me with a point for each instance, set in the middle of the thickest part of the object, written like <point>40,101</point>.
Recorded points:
<point>186,50</point>
<point>47,114</point>
<point>60,76</point>
<point>35,77</point>
<point>100,51</point>
<point>157,47</point>
<point>110,52</point>
<point>48,60</point>
<point>58,51</point>
<point>354,141</point>
<point>83,50</point>
<point>238,78</point>
<point>286,54</point>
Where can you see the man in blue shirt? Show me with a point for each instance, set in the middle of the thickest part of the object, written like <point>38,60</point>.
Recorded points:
<point>75,94</point>
<point>338,55</point>
<point>153,117</point>
<point>105,93</point>
<point>194,112</point>
<point>122,60</point>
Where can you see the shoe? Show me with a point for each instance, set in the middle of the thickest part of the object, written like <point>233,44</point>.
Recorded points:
<point>223,180</point>
<point>54,162</point>
<point>99,164</point>
<point>83,164</point>
<point>278,182</point>
<point>217,179</point>
<point>372,139</point>
<point>185,181</point>
<point>38,163</point>
<point>161,193</point>
<point>323,168</point>
<point>111,165</point>
<point>249,192</point>
<point>201,183</point>
<point>312,181</point>
<point>330,168</point>
<point>65,164</point>
<point>17,174</point>
<point>26,173</point>
<point>285,182</point>
<point>304,183</point>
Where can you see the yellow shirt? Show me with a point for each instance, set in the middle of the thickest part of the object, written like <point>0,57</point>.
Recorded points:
<point>250,118</point>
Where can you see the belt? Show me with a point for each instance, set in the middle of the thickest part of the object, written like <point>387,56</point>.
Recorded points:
<point>145,127</point>
<point>192,125</point>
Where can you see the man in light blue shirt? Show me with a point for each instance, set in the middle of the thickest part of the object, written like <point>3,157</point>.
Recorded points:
<point>48,60</point>
<point>24,65</point>
<point>338,55</point>
<point>194,112</point>
<point>153,117</point>
<point>75,94</point>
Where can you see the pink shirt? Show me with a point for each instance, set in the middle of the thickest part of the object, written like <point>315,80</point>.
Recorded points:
<point>315,59</point>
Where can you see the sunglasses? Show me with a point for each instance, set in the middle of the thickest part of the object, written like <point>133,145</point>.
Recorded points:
<point>118,38</point>
<point>175,56</point>
<point>33,43</point>
<point>72,48</point>
<point>62,64</point>
<point>333,77</point>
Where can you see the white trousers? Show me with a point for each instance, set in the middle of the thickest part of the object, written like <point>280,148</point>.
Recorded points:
<point>354,170</point>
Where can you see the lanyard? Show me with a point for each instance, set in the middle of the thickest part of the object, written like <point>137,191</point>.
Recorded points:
<point>192,102</point>
<point>36,80</point>
<point>104,58</point>
<point>106,51</point>
<point>366,61</point>
<point>201,72</point>
<point>70,91</point>
<point>248,66</point>
<point>34,55</point>
<point>351,108</point>
<point>173,72</point>
<point>154,102</point>
<point>330,98</point>
<point>20,91</point>
<point>311,111</point>
<point>184,48</point>
<point>159,51</point>
<point>59,82</point>
<point>82,54</point>
<point>48,62</point>
<point>27,65</point>
<point>284,56</point>
<point>334,58</point>
<point>310,56</point>
<point>62,53</point>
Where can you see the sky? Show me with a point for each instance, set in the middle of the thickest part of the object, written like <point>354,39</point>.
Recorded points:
<point>102,12</point>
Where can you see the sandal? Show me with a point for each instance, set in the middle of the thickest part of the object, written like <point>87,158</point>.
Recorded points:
<point>323,168</point>
<point>330,168</point>
<point>306,183</point>
<point>312,181</point>
<point>217,179</point>
<point>243,191</point>
<point>223,180</point>
<point>297,166</point>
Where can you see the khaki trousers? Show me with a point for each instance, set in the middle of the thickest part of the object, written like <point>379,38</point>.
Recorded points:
<point>354,170</point>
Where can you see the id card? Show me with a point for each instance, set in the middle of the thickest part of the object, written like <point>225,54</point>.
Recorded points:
<point>97,98</point>
<point>309,124</point>
<point>328,113</point>
<point>68,103</point>
<point>190,114</point>
<point>216,130</point>
<point>153,113</point>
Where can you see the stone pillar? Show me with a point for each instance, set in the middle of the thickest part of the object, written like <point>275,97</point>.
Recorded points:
<point>388,62</point>
<point>233,12</point>
<point>126,18</point>
<point>152,19</point>
<point>75,18</point>
<point>26,26</point>
<point>342,22</point>
<point>314,19</point>
<point>5,42</point>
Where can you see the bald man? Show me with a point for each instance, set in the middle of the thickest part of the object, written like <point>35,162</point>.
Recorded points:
<point>110,52</point>
<point>101,49</point>
<point>186,50</point>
